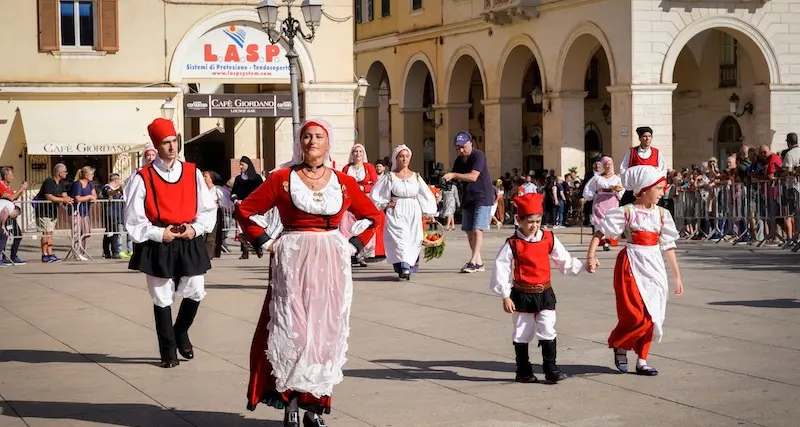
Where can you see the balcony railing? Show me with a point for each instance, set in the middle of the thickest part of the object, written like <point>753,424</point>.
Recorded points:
<point>728,75</point>
<point>505,11</point>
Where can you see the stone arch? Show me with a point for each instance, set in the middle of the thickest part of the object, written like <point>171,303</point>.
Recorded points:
<point>514,65</point>
<point>376,75</point>
<point>214,20</point>
<point>417,67</point>
<point>577,52</point>
<point>459,75</point>
<point>747,35</point>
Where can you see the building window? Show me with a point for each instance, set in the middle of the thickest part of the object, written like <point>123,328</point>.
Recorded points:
<point>386,8</point>
<point>592,82</point>
<point>729,64</point>
<point>359,18</point>
<point>416,4</point>
<point>77,23</point>
<point>370,10</point>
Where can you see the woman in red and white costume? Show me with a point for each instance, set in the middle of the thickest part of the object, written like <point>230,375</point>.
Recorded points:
<point>300,342</point>
<point>604,190</point>
<point>640,278</point>
<point>366,176</point>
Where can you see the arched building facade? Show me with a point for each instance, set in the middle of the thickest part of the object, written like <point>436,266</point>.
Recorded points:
<point>603,69</point>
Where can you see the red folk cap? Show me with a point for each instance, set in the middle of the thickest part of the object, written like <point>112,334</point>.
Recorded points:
<point>529,204</point>
<point>160,129</point>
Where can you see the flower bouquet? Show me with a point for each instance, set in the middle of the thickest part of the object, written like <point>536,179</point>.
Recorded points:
<point>433,241</point>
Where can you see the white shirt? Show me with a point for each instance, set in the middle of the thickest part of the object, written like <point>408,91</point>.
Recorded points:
<point>141,229</point>
<point>791,159</point>
<point>644,154</point>
<point>502,274</point>
<point>529,187</point>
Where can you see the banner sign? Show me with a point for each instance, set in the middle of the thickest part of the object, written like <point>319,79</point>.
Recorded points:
<point>237,105</point>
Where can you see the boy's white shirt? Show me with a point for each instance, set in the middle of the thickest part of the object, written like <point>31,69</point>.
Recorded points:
<point>502,275</point>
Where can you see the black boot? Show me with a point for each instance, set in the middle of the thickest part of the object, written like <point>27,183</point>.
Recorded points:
<point>166,336</point>
<point>524,368</point>
<point>291,416</point>
<point>551,372</point>
<point>185,318</point>
<point>313,420</point>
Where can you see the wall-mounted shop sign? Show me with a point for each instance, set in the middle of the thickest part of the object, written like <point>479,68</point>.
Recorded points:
<point>235,52</point>
<point>237,105</point>
<point>80,148</point>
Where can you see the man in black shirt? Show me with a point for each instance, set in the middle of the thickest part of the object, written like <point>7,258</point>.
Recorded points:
<point>53,192</point>
<point>471,170</point>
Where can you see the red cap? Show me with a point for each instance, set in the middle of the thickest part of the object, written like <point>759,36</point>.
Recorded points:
<point>529,204</point>
<point>161,129</point>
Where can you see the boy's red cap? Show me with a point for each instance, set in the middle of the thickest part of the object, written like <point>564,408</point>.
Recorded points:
<point>529,204</point>
<point>161,129</point>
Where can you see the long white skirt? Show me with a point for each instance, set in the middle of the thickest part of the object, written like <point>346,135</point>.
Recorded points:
<point>403,232</point>
<point>647,266</point>
<point>312,290</point>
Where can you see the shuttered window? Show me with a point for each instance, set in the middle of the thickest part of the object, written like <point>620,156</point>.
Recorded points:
<point>78,24</point>
<point>386,8</point>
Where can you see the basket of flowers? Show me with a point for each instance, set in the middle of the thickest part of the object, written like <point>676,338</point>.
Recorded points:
<point>433,241</point>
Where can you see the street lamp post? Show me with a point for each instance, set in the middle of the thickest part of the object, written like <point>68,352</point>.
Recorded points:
<point>289,29</point>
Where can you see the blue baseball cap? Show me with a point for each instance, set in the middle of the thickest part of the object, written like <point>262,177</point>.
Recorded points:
<point>462,138</point>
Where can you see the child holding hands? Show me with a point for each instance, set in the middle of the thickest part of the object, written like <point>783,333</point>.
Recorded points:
<point>640,279</point>
<point>522,278</point>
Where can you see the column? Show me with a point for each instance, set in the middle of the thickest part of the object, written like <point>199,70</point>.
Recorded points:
<point>642,105</point>
<point>412,124</point>
<point>455,118</point>
<point>369,131</point>
<point>563,132</point>
<point>335,103</point>
<point>503,130</point>
<point>777,113</point>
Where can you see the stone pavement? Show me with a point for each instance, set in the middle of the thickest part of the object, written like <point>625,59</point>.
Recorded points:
<point>78,348</point>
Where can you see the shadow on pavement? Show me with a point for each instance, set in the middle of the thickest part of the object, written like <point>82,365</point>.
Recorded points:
<point>50,356</point>
<point>128,414</point>
<point>765,303</point>
<point>437,370</point>
<point>739,258</point>
<point>224,286</point>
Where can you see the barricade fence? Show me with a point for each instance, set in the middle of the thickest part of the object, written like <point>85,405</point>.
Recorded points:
<point>761,212</point>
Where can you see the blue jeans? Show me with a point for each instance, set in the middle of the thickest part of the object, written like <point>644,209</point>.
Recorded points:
<point>128,241</point>
<point>475,217</point>
<point>400,266</point>
<point>562,213</point>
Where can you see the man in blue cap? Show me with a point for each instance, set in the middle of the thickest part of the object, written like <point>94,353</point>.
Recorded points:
<point>471,171</point>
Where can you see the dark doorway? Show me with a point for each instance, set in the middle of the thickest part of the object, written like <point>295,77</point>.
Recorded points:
<point>207,151</point>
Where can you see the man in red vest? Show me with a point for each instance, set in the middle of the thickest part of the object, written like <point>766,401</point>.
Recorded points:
<point>521,276</point>
<point>643,155</point>
<point>168,208</point>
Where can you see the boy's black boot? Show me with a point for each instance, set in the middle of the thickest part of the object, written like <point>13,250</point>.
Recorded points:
<point>551,371</point>
<point>524,368</point>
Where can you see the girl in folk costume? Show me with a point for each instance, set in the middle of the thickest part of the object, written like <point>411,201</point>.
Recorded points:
<point>222,199</point>
<point>604,190</point>
<point>521,277</point>
<point>640,279</point>
<point>450,202</point>
<point>405,198</point>
<point>366,176</point>
<point>300,343</point>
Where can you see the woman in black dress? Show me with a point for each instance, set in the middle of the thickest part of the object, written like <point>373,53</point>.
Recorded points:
<point>244,184</point>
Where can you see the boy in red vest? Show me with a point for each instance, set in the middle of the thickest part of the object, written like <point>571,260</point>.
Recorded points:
<point>522,278</point>
<point>168,208</point>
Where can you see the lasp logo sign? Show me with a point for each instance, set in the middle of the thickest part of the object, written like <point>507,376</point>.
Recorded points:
<point>240,50</point>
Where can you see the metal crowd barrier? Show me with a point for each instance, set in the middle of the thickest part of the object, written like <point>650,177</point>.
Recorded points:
<point>762,212</point>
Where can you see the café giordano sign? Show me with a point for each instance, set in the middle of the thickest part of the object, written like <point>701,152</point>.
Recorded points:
<point>235,52</point>
<point>237,105</point>
<point>80,148</point>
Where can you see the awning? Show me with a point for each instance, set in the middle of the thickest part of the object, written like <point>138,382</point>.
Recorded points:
<point>87,127</point>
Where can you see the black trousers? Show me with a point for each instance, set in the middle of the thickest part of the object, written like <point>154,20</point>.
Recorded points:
<point>14,236</point>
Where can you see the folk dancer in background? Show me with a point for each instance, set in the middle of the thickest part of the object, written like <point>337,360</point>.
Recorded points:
<point>640,279</point>
<point>405,198</point>
<point>148,156</point>
<point>300,343</point>
<point>244,184</point>
<point>644,154</point>
<point>522,277</point>
<point>168,208</point>
<point>366,176</point>
<point>604,191</point>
